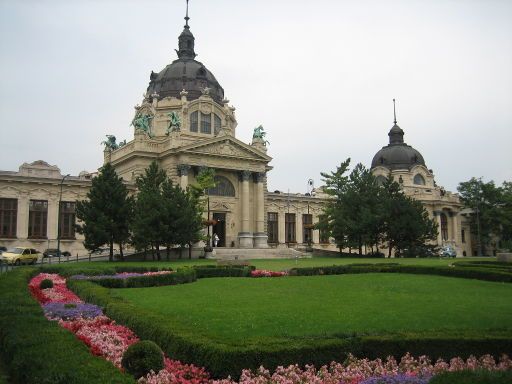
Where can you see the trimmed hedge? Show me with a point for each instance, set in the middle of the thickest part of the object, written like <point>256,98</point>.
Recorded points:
<point>39,351</point>
<point>467,272</point>
<point>223,271</point>
<point>473,377</point>
<point>223,359</point>
<point>185,275</point>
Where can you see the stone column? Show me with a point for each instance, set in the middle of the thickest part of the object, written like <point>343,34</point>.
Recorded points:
<point>183,172</point>
<point>437,216</point>
<point>245,238</point>
<point>260,237</point>
<point>22,219</point>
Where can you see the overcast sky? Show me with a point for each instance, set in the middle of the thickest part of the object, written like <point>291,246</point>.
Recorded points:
<point>319,75</point>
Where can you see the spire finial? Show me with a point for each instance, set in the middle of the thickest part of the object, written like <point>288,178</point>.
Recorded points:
<point>187,18</point>
<point>394,109</point>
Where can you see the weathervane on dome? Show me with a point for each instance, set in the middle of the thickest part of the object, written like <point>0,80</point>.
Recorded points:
<point>394,110</point>
<point>187,18</point>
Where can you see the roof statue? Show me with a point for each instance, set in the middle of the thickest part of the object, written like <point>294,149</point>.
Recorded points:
<point>174,123</point>
<point>110,144</point>
<point>142,123</point>
<point>259,133</point>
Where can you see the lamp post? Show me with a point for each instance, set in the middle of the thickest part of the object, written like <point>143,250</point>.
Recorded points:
<point>310,230</point>
<point>58,217</point>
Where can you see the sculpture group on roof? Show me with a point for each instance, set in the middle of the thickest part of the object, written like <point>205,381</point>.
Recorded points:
<point>142,122</point>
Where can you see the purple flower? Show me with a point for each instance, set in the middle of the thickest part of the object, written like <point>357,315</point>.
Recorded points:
<point>69,311</point>
<point>396,379</point>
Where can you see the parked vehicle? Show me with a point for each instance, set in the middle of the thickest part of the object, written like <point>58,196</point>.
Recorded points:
<point>2,249</point>
<point>20,255</point>
<point>447,251</point>
<point>54,252</point>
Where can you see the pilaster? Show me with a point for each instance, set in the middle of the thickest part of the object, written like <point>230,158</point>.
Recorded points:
<point>22,219</point>
<point>260,237</point>
<point>245,237</point>
<point>437,216</point>
<point>52,221</point>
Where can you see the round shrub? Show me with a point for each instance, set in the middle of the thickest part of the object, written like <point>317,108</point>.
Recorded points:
<point>142,357</point>
<point>46,283</point>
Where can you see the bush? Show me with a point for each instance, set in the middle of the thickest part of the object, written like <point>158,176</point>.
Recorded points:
<point>142,357</point>
<point>466,272</point>
<point>28,340</point>
<point>46,283</point>
<point>182,276</point>
<point>473,377</point>
<point>223,271</point>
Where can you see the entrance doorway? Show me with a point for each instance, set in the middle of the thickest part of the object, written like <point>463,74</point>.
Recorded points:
<point>220,228</point>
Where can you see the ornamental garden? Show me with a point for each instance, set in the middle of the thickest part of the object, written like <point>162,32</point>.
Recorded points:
<point>319,320</point>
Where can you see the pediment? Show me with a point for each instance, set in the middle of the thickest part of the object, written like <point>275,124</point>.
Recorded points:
<point>226,147</point>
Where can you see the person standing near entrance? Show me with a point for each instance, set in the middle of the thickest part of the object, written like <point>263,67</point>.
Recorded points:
<point>215,240</point>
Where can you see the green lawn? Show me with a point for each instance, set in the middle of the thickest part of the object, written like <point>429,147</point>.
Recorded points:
<point>240,309</point>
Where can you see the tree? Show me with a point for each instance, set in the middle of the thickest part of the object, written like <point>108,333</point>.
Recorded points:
<point>149,229</point>
<point>363,209</point>
<point>492,210</point>
<point>406,225</point>
<point>105,215</point>
<point>353,216</point>
<point>333,221</point>
<point>188,217</point>
<point>205,180</point>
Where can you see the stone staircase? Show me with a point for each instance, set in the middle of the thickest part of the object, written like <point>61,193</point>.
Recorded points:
<point>254,253</point>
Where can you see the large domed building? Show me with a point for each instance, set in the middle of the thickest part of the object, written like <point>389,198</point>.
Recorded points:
<point>185,123</point>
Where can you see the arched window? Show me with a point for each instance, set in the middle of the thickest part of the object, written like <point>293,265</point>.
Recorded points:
<point>444,227</point>
<point>223,187</point>
<point>381,180</point>
<point>419,180</point>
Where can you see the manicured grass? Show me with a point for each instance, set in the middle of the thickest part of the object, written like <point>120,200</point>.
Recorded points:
<point>239,310</point>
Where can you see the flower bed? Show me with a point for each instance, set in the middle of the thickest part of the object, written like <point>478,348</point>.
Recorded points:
<point>71,311</point>
<point>266,273</point>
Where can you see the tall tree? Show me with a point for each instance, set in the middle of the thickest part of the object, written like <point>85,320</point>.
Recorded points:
<point>492,210</point>
<point>205,180</point>
<point>407,227</point>
<point>363,209</point>
<point>333,220</point>
<point>149,228</point>
<point>105,215</point>
<point>188,218</point>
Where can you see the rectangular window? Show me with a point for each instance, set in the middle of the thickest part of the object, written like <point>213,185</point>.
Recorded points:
<point>272,223</point>
<point>324,235</point>
<point>8,217</point>
<point>206,123</point>
<point>193,121</point>
<point>37,219</point>
<point>463,236</point>
<point>217,123</point>
<point>67,220</point>
<point>290,227</point>
<point>307,228</point>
